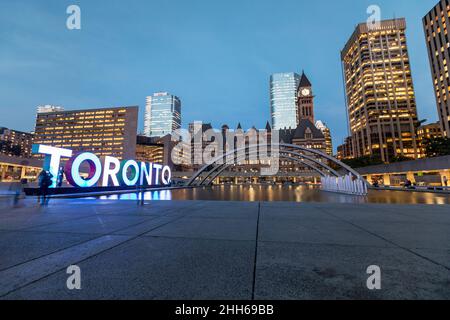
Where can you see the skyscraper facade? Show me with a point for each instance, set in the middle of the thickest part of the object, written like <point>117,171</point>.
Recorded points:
<point>104,132</point>
<point>327,134</point>
<point>283,100</point>
<point>162,114</point>
<point>15,143</point>
<point>379,88</point>
<point>149,150</point>
<point>427,132</point>
<point>345,150</point>
<point>197,130</point>
<point>436,24</point>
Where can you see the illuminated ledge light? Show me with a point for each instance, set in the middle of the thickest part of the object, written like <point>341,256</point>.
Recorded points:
<point>120,173</point>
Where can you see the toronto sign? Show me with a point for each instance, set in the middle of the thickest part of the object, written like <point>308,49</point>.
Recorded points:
<point>107,171</point>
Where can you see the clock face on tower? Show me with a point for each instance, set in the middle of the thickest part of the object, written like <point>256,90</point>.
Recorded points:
<point>305,92</point>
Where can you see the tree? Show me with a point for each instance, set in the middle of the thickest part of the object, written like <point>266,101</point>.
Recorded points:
<point>400,158</point>
<point>419,123</point>
<point>363,161</point>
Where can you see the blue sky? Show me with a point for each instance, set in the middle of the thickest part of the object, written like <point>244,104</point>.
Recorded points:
<point>217,56</point>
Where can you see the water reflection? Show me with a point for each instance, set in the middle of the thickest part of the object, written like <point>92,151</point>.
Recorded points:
<point>148,195</point>
<point>283,193</point>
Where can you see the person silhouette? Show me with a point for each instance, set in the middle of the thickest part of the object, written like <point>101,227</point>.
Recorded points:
<point>45,181</point>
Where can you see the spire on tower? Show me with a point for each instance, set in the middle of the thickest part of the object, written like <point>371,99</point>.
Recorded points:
<point>304,81</point>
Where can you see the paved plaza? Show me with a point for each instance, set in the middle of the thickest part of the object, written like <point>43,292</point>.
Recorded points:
<point>223,250</point>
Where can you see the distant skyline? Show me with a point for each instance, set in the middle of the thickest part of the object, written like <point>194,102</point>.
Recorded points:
<point>217,56</point>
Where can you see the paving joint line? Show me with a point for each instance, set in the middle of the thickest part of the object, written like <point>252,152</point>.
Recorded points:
<point>95,237</point>
<point>387,240</point>
<point>85,259</point>
<point>256,252</point>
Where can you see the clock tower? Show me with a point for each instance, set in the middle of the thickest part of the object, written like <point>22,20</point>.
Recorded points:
<point>305,100</point>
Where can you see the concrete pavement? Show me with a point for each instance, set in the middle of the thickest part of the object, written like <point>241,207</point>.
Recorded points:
<point>224,250</point>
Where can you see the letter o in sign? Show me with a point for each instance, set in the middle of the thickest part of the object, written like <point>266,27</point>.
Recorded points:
<point>135,167</point>
<point>72,170</point>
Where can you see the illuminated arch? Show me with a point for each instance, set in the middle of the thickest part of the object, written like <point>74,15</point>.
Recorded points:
<point>218,165</point>
<point>226,166</point>
<point>222,167</point>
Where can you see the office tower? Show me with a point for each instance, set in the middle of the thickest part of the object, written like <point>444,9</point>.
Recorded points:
<point>49,108</point>
<point>199,142</point>
<point>345,150</point>
<point>381,104</point>
<point>427,132</point>
<point>305,100</point>
<point>283,100</point>
<point>327,134</point>
<point>149,150</point>
<point>15,143</point>
<point>157,150</point>
<point>104,132</point>
<point>435,24</point>
<point>162,114</point>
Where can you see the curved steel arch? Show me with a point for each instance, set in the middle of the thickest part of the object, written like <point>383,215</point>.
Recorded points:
<point>285,145</point>
<point>203,169</point>
<point>326,156</point>
<point>301,156</point>
<point>313,160</point>
<point>212,172</point>
<point>226,166</point>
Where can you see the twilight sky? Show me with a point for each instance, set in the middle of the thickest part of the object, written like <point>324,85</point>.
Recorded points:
<point>216,55</point>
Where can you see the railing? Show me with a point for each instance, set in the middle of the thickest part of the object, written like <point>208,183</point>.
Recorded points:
<point>416,188</point>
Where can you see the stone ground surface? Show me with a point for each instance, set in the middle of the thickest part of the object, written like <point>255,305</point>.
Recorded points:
<point>223,250</point>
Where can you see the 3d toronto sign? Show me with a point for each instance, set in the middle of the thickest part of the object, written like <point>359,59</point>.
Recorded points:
<point>109,172</point>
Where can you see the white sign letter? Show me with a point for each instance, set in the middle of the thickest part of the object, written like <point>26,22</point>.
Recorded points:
<point>74,281</point>
<point>108,172</point>
<point>157,167</point>
<point>374,20</point>
<point>374,281</point>
<point>74,20</point>
<point>146,171</point>
<point>166,180</point>
<point>135,167</point>
<point>52,158</point>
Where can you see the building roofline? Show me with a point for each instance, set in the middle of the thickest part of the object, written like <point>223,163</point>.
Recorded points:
<point>18,131</point>
<point>397,23</point>
<point>431,10</point>
<point>91,109</point>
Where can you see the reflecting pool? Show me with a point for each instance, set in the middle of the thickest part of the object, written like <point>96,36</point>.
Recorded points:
<point>283,193</point>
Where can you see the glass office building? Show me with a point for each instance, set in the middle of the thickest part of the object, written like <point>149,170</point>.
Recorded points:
<point>162,114</point>
<point>283,100</point>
